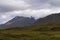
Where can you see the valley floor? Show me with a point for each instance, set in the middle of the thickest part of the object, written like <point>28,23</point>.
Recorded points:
<point>29,35</point>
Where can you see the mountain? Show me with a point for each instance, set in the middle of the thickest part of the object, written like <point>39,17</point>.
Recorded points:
<point>19,22</point>
<point>48,23</point>
<point>47,28</point>
<point>50,18</point>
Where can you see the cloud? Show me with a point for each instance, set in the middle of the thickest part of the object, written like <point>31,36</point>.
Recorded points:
<point>14,5</point>
<point>11,5</point>
<point>55,3</point>
<point>38,4</point>
<point>27,8</point>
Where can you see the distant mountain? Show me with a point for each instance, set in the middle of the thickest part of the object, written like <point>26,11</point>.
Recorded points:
<point>50,18</point>
<point>47,28</point>
<point>18,22</point>
<point>50,22</point>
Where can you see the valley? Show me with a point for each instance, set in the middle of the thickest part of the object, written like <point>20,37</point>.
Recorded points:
<point>47,28</point>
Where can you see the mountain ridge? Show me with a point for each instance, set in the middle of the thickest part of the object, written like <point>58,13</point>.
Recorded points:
<point>19,21</point>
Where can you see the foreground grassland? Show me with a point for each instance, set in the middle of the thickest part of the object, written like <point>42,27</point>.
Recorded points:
<point>29,35</point>
<point>34,32</point>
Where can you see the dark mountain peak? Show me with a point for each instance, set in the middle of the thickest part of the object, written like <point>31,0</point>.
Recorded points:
<point>54,15</point>
<point>32,17</point>
<point>50,18</point>
<point>19,17</point>
<point>19,21</point>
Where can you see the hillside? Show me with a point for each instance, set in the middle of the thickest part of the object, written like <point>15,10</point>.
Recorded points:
<point>18,21</point>
<point>47,28</point>
<point>50,18</point>
<point>48,23</point>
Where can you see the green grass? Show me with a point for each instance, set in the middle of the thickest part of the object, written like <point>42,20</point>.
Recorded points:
<point>34,32</point>
<point>29,35</point>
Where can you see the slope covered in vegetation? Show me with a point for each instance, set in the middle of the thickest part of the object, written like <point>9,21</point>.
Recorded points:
<point>47,28</point>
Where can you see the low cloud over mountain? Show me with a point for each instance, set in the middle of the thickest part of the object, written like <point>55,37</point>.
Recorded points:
<point>35,8</point>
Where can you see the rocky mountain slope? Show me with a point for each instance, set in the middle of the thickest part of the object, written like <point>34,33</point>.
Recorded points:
<point>18,22</point>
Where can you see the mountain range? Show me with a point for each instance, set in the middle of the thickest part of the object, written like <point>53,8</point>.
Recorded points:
<point>18,21</point>
<point>25,28</point>
<point>48,22</point>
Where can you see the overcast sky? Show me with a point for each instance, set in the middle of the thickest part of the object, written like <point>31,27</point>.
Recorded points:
<point>35,8</point>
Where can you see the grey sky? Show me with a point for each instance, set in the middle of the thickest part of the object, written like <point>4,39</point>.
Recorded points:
<point>35,8</point>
